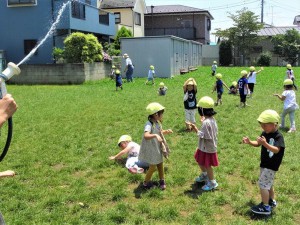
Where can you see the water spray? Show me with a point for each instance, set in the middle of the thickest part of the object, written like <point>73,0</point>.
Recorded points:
<point>11,70</point>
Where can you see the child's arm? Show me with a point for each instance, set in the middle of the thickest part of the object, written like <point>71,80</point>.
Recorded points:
<point>169,131</point>
<point>226,86</point>
<point>262,141</point>
<point>246,140</point>
<point>148,136</point>
<point>214,88</point>
<point>261,69</point>
<point>123,152</point>
<point>193,127</point>
<point>281,97</point>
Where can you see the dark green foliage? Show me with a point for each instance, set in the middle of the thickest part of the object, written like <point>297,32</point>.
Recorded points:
<point>123,32</point>
<point>225,53</point>
<point>264,59</point>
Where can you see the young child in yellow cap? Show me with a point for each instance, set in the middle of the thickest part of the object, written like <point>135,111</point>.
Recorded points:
<point>151,74</point>
<point>219,88</point>
<point>272,146</point>
<point>190,102</point>
<point>251,77</point>
<point>162,90</point>
<point>242,85</point>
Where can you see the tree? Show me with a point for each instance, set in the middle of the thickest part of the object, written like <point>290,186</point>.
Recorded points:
<point>225,53</point>
<point>244,33</point>
<point>81,47</point>
<point>123,32</point>
<point>287,45</point>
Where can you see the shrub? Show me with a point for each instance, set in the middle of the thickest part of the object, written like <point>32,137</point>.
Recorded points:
<point>264,59</point>
<point>225,53</point>
<point>58,54</point>
<point>81,47</point>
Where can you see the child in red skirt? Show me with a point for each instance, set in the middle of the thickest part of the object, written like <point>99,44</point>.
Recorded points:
<point>206,153</point>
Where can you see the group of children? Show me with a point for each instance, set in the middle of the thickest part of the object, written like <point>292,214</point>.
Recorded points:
<point>154,147</point>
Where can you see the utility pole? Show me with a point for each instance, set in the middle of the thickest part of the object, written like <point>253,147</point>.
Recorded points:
<point>262,12</point>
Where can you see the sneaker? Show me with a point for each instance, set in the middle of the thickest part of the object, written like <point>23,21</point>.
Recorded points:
<point>201,178</point>
<point>132,170</point>
<point>162,184</point>
<point>292,130</point>
<point>272,203</point>
<point>210,186</point>
<point>139,170</point>
<point>148,185</point>
<point>261,209</point>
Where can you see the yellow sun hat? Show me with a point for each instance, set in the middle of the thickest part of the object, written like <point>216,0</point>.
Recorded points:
<point>117,72</point>
<point>219,76</point>
<point>113,66</point>
<point>244,73</point>
<point>215,62</point>
<point>124,138</point>
<point>151,67</point>
<point>206,102</point>
<point>287,82</point>
<point>154,107</point>
<point>289,66</point>
<point>161,84</point>
<point>234,83</point>
<point>269,116</point>
<point>252,68</point>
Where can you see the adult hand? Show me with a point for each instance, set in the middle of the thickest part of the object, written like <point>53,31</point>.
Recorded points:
<point>8,107</point>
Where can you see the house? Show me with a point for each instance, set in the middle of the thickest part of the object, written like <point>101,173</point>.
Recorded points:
<point>25,22</point>
<point>128,13</point>
<point>266,45</point>
<point>178,20</point>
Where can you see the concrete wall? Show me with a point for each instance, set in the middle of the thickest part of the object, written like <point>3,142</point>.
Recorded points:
<point>61,73</point>
<point>210,53</point>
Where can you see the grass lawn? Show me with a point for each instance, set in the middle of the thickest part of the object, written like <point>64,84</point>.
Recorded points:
<point>63,136</point>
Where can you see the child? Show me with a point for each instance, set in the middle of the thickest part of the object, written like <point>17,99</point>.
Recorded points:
<point>290,75</point>
<point>118,80</point>
<point>272,151</point>
<point>251,77</point>
<point>206,153</point>
<point>243,88</point>
<point>288,97</point>
<point>190,102</point>
<point>151,74</point>
<point>113,72</point>
<point>132,150</point>
<point>233,88</point>
<point>214,68</point>
<point>219,87</point>
<point>162,90</point>
<point>151,147</point>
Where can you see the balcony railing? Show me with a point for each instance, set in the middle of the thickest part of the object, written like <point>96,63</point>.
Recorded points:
<point>186,33</point>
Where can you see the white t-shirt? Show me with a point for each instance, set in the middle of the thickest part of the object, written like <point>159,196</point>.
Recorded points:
<point>290,99</point>
<point>134,149</point>
<point>151,74</point>
<point>252,79</point>
<point>128,61</point>
<point>290,74</point>
<point>208,136</point>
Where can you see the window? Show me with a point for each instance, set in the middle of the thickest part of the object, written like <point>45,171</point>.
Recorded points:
<point>104,18</point>
<point>78,10</point>
<point>21,2</point>
<point>137,18</point>
<point>118,17</point>
<point>88,2</point>
<point>29,45</point>
<point>208,24</point>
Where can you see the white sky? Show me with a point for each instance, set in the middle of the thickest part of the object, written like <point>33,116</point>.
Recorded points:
<point>276,12</point>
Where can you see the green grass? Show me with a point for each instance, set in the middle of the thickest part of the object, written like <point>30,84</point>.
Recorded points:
<point>63,136</point>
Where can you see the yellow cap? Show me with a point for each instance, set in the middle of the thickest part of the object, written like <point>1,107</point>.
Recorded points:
<point>234,83</point>
<point>244,73</point>
<point>206,102</point>
<point>269,116</point>
<point>287,82</point>
<point>124,138</point>
<point>154,107</point>
<point>289,66</point>
<point>215,62</point>
<point>117,72</point>
<point>151,67</point>
<point>219,76</point>
<point>161,84</point>
<point>252,68</point>
<point>125,55</point>
<point>113,66</point>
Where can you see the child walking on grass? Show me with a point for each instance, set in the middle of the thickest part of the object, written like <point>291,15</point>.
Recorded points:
<point>190,102</point>
<point>153,145</point>
<point>251,77</point>
<point>243,88</point>
<point>219,88</point>
<point>206,153</point>
<point>290,105</point>
<point>132,150</point>
<point>162,90</point>
<point>118,80</point>
<point>214,68</point>
<point>151,74</point>
<point>272,152</point>
<point>290,75</point>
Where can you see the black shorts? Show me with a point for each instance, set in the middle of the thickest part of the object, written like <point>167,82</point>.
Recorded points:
<point>251,87</point>
<point>243,97</point>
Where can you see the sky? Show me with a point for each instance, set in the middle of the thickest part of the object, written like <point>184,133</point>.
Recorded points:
<point>276,12</point>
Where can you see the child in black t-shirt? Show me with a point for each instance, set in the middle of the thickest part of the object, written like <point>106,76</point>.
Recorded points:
<point>190,102</point>
<point>272,151</point>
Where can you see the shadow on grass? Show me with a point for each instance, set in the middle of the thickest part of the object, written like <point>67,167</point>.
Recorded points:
<point>196,190</point>
<point>254,216</point>
<point>141,189</point>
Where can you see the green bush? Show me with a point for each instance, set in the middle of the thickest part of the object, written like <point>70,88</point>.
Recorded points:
<point>264,59</point>
<point>81,47</point>
<point>58,54</point>
<point>225,53</point>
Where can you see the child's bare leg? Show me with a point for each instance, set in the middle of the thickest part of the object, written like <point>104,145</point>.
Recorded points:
<point>203,169</point>
<point>210,173</point>
<point>265,196</point>
<point>149,173</point>
<point>272,193</point>
<point>7,173</point>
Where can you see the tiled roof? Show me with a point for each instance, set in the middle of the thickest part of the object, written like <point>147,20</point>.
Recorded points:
<point>112,4</point>
<point>272,31</point>
<point>167,9</point>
